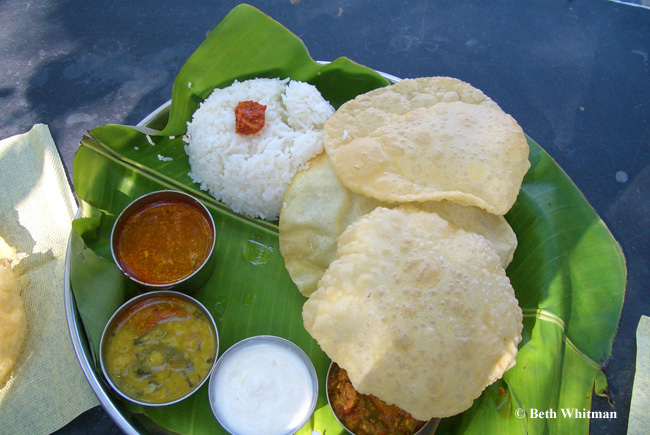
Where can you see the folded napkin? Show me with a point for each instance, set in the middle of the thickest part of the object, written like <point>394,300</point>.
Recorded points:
<point>639,420</point>
<point>46,388</point>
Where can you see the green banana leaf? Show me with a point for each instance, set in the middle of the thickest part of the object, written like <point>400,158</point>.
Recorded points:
<point>568,272</point>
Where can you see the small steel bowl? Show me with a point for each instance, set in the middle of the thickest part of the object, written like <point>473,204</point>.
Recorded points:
<point>116,317</point>
<point>252,341</point>
<point>188,284</point>
<point>428,429</point>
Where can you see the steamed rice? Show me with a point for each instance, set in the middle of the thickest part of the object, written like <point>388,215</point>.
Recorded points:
<point>250,173</point>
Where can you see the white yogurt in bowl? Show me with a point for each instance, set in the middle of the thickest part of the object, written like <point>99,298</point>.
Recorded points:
<point>263,384</point>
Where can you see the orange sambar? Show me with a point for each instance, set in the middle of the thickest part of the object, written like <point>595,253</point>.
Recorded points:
<point>164,242</point>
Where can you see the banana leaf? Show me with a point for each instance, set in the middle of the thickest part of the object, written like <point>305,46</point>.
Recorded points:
<point>568,272</point>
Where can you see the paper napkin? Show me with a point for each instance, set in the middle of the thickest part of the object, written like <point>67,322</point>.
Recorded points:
<point>46,388</point>
<point>639,421</point>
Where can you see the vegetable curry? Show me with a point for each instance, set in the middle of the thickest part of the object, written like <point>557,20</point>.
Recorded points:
<point>160,349</point>
<point>364,414</point>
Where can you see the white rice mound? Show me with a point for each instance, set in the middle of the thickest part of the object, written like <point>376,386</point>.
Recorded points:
<point>250,173</point>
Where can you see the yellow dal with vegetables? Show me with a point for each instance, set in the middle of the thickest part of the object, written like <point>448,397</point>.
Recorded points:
<point>160,349</point>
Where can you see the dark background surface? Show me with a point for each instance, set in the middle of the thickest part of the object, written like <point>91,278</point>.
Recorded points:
<point>575,75</point>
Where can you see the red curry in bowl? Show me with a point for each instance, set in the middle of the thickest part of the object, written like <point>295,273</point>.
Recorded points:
<point>365,414</point>
<point>163,238</point>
